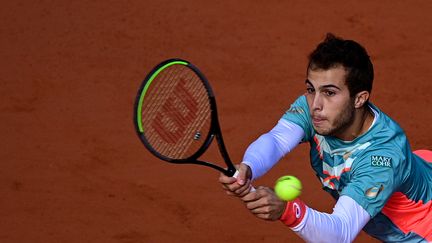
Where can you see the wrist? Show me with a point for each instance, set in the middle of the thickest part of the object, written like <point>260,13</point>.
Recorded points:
<point>294,213</point>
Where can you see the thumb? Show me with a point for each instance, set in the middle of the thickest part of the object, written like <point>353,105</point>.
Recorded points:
<point>242,171</point>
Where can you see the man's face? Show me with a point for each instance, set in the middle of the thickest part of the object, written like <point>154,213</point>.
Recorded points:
<point>331,107</point>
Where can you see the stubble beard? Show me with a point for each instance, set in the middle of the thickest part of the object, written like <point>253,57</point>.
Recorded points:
<point>341,123</point>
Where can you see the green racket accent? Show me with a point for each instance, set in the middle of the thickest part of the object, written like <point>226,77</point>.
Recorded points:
<point>150,80</point>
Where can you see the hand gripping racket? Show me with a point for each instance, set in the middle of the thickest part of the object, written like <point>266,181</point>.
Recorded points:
<point>176,116</point>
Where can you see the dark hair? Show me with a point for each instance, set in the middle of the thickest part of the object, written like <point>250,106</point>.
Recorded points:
<point>335,51</point>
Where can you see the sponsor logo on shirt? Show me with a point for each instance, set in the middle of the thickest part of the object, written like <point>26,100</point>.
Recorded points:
<point>381,161</point>
<point>374,191</point>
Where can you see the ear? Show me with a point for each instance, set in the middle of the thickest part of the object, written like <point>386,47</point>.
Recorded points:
<point>361,98</point>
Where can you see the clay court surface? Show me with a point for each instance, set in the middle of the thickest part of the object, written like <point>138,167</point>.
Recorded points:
<point>72,168</point>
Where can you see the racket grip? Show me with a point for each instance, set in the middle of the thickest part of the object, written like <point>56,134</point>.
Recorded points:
<point>236,175</point>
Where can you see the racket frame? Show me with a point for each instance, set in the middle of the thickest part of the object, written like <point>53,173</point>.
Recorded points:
<point>214,131</point>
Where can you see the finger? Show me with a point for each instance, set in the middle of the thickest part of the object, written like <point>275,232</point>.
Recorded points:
<point>256,205</point>
<point>226,179</point>
<point>257,194</point>
<point>260,200</point>
<point>242,193</point>
<point>251,196</point>
<point>267,213</point>
<point>230,193</point>
<point>262,209</point>
<point>233,189</point>
<point>263,189</point>
<point>225,187</point>
<point>245,192</point>
<point>264,216</point>
<point>227,191</point>
<point>230,187</point>
<point>243,188</point>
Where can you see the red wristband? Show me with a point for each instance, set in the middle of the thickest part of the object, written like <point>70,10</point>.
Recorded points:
<point>294,213</point>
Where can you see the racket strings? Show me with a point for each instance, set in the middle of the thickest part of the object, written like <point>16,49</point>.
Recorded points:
<point>185,144</point>
<point>193,132</point>
<point>161,90</point>
<point>176,112</point>
<point>177,117</point>
<point>201,124</point>
<point>154,100</point>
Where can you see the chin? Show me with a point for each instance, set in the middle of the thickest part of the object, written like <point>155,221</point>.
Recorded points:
<point>323,132</point>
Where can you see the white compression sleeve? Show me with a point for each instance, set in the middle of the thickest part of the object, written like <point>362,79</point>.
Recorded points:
<point>270,147</point>
<point>343,225</point>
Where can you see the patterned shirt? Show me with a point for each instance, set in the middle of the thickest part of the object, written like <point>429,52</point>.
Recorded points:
<point>378,170</point>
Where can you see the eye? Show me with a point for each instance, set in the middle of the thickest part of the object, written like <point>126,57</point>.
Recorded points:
<point>310,90</point>
<point>329,93</point>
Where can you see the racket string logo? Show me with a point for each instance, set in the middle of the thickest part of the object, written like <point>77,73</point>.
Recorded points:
<point>172,131</point>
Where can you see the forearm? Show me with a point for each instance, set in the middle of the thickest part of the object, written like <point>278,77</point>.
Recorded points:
<point>343,225</point>
<point>268,149</point>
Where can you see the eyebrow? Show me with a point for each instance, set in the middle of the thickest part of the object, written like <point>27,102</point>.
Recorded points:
<point>307,81</point>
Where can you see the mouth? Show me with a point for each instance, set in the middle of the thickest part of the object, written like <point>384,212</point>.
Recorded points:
<point>317,120</point>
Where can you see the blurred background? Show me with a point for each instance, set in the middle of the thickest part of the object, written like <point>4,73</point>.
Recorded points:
<point>73,169</point>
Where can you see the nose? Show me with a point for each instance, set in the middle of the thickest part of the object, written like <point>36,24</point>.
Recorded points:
<point>317,103</point>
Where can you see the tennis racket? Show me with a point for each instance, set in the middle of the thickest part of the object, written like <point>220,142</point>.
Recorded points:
<point>176,117</point>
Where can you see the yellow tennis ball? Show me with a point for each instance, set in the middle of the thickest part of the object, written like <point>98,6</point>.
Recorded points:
<point>288,188</point>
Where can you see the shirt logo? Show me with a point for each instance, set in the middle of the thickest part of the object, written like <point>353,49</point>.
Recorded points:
<point>374,191</point>
<point>381,161</point>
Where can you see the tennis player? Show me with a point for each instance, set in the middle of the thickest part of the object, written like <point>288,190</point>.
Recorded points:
<point>361,156</point>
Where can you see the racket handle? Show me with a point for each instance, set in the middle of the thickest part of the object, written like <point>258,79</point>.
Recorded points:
<point>236,175</point>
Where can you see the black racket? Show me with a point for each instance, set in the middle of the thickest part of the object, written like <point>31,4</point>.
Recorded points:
<point>176,116</point>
